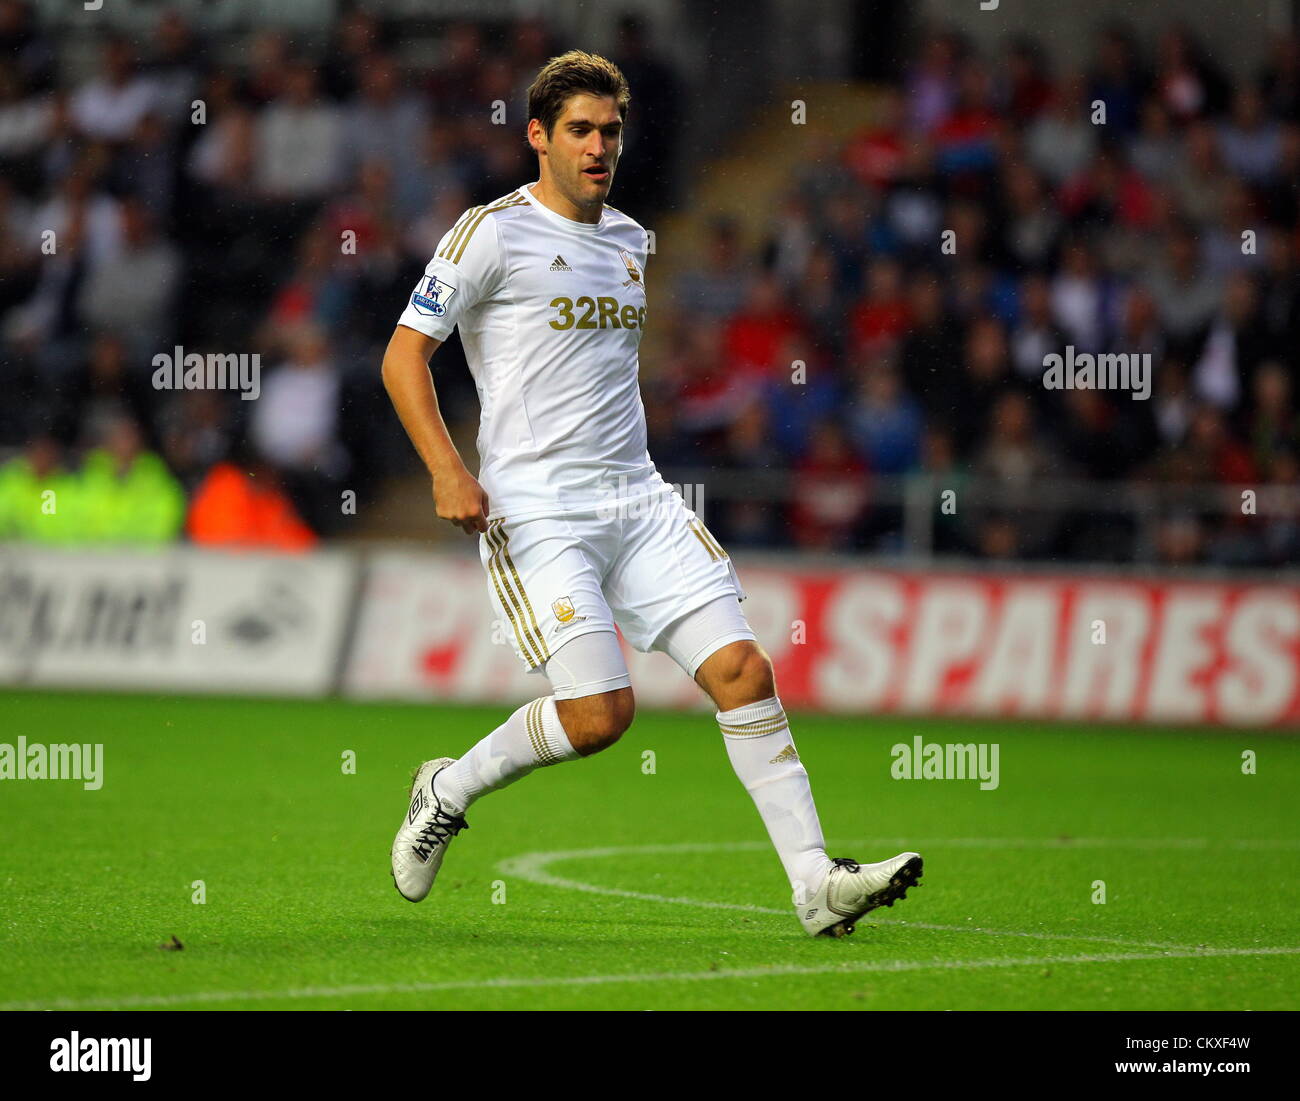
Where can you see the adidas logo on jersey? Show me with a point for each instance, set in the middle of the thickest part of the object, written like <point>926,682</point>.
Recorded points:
<point>787,754</point>
<point>559,265</point>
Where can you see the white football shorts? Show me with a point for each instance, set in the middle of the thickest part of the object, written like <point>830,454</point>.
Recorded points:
<point>642,564</point>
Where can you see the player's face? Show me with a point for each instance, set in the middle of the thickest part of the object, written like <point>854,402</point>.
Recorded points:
<point>583,149</point>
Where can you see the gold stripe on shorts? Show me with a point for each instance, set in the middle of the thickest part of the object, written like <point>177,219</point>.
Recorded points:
<point>533,650</point>
<point>716,553</point>
<point>532,619</point>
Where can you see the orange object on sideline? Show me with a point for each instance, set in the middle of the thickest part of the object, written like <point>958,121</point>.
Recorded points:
<point>231,509</point>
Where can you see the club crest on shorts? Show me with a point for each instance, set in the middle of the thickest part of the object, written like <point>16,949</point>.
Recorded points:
<point>430,297</point>
<point>564,609</point>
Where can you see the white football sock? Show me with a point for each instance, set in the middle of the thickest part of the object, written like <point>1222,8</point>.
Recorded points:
<point>761,748</point>
<point>530,738</point>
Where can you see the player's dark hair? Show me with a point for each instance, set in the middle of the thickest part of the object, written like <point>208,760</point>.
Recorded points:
<point>570,74</point>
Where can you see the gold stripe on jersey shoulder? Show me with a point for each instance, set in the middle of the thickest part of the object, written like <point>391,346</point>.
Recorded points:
<point>457,230</point>
<point>509,602</point>
<point>514,199</point>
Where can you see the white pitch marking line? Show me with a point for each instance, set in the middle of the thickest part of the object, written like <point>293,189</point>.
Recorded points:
<point>850,967</point>
<point>533,867</point>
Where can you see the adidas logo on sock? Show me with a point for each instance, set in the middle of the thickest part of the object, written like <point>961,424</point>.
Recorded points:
<point>787,754</point>
<point>559,265</point>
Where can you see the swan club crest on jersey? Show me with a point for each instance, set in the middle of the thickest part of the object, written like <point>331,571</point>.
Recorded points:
<point>633,272</point>
<point>431,300</point>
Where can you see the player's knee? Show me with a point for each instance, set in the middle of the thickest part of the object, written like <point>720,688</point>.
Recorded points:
<point>745,670</point>
<point>593,723</point>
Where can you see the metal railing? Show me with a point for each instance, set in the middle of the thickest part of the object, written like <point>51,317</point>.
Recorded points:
<point>909,515</point>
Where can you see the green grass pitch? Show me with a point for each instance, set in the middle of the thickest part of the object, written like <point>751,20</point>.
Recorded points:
<point>601,885</point>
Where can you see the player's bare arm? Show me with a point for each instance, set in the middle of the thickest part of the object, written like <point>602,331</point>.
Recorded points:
<point>457,495</point>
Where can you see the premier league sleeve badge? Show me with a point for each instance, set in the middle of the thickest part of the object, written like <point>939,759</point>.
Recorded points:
<point>430,297</point>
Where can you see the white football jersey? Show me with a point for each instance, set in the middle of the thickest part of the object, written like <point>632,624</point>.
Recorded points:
<point>551,313</point>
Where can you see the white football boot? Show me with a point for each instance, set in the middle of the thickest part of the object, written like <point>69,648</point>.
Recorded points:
<point>426,831</point>
<point>851,889</point>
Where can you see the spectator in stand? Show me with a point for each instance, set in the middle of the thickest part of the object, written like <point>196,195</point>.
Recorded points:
<point>821,301</point>
<point>1033,225</point>
<point>797,395</point>
<point>268,68</point>
<point>984,375</point>
<point>26,119</point>
<point>1118,79</point>
<point>127,494</point>
<point>1250,142</point>
<point>719,288</point>
<point>244,507</point>
<point>148,168</point>
<point>358,37</point>
<point>1274,424</point>
<point>1035,334</point>
<point>875,154</point>
<point>110,107</point>
<point>706,397</point>
<point>1199,184</point>
<point>1173,403</point>
<point>1280,541</point>
<point>1154,150</point>
<point>1206,455</point>
<point>846,233</point>
<point>1188,82</point>
<point>1092,436</point>
<point>1186,294</point>
<point>1026,90</point>
<point>1233,346</point>
<point>652,126</point>
<point>831,492</point>
<point>931,86</point>
<point>966,142</point>
<point>882,316</point>
<point>931,348</point>
<point>295,426</point>
<point>39,496</point>
<point>885,422</point>
<point>793,239</point>
<point>386,123</point>
<point>299,140</point>
<point>132,294</point>
<point>453,84</point>
<point>174,64</point>
<point>1281,80</point>
<point>1080,298</point>
<point>111,383</point>
<point>197,430</point>
<point>1062,139</point>
<point>740,519</point>
<point>755,337</point>
<point>222,158</point>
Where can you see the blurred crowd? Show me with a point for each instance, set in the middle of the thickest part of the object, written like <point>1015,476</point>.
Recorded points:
<point>281,204</point>
<point>284,203</point>
<point>996,211</point>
